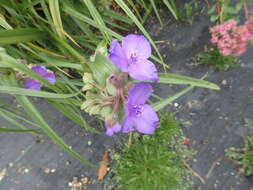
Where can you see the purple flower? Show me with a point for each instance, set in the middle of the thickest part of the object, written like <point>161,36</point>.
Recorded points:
<point>138,115</point>
<point>42,71</point>
<point>133,56</point>
<point>110,130</point>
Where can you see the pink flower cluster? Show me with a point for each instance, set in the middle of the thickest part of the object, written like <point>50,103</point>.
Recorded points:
<point>232,39</point>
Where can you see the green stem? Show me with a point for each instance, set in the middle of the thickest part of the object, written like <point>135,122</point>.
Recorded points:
<point>130,139</point>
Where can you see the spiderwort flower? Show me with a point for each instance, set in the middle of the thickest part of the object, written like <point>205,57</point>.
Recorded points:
<point>132,57</point>
<point>42,71</point>
<point>138,115</point>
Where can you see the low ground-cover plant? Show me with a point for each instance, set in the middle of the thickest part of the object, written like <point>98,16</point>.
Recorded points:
<point>156,161</point>
<point>230,39</point>
<point>212,57</point>
<point>224,10</point>
<point>244,156</point>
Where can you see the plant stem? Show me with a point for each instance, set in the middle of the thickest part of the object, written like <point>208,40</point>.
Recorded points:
<point>246,11</point>
<point>130,139</point>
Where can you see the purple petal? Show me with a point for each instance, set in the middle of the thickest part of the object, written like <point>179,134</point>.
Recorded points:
<point>139,93</point>
<point>50,77</point>
<point>32,84</point>
<point>116,128</point>
<point>143,70</point>
<point>117,56</point>
<point>127,125</point>
<point>109,131</point>
<point>136,45</point>
<point>147,122</point>
<point>40,70</point>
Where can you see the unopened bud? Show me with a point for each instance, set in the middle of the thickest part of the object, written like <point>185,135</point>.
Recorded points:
<point>110,120</point>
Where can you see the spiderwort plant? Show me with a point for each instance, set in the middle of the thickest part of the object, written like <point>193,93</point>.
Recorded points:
<point>113,94</point>
<point>132,58</point>
<point>121,97</point>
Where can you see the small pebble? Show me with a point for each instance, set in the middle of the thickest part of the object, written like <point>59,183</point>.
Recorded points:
<point>224,82</point>
<point>3,173</point>
<point>26,170</point>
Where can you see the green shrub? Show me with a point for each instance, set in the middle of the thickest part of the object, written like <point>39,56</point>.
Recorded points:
<point>213,58</point>
<point>244,156</point>
<point>154,161</point>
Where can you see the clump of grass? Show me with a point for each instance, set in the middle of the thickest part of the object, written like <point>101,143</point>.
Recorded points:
<point>212,57</point>
<point>154,161</point>
<point>244,156</point>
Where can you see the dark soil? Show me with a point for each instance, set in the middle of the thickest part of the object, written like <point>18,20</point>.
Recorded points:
<point>216,117</point>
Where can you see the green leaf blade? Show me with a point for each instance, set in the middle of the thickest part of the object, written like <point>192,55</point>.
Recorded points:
<point>27,92</point>
<point>170,78</point>
<point>19,35</point>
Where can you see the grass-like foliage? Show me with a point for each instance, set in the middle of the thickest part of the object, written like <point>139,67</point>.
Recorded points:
<point>212,57</point>
<point>244,156</point>
<point>154,161</point>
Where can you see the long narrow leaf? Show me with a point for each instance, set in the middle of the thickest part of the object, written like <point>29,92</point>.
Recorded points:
<point>156,11</point>
<point>36,116</point>
<point>16,130</point>
<point>162,103</point>
<point>19,35</point>
<point>97,18</point>
<point>34,113</point>
<point>16,123</point>
<point>17,116</point>
<point>56,16</point>
<point>26,92</point>
<point>171,8</point>
<point>68,111</point>
<point>170,78</point>
<point>89,21</point>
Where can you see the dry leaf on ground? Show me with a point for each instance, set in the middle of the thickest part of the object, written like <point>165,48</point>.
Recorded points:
<point>102,171</point>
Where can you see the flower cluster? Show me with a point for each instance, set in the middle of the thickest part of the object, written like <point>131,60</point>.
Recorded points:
<point>42,71</point>
<point>230,38</point>
<point>132,59</point>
